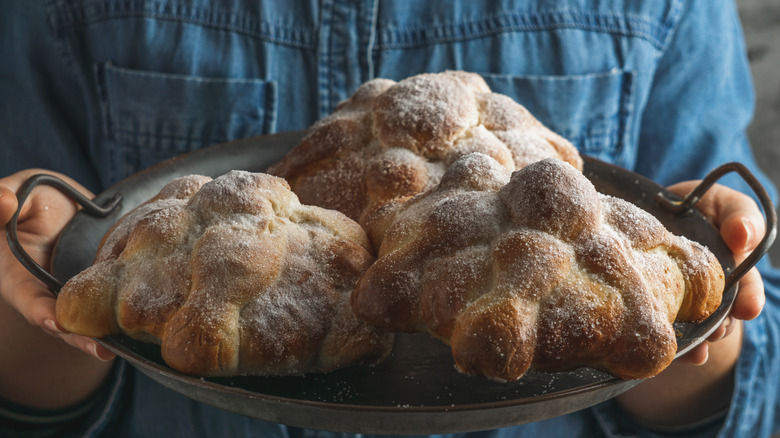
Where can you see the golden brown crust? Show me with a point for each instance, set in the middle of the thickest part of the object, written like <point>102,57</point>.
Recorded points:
<point>535,271</point>
<point>392,140</point>
<point>230,276</point>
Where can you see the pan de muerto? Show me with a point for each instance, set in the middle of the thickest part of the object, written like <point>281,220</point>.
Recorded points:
<point>230,276</point>
<point>535,271</point>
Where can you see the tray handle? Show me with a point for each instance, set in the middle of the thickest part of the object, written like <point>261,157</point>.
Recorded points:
<point>688,203</point>
<point>22,194</point>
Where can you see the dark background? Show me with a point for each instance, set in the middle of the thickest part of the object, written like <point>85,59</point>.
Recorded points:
<point>761,23</point>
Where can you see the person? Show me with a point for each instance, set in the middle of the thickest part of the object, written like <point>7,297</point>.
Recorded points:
<point>96,91</point>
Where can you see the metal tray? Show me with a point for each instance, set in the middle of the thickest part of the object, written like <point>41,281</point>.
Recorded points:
<point>416,390</point>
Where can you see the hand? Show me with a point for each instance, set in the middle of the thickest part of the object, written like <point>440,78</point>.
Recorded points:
<point>41,220</point>
<point>682,393</point>
<point>742,227</point>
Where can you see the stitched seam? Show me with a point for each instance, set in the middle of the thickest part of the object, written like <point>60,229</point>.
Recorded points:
<point>270,102</point>
<point>673,21</point>
<point>294,36</point>
<point>397,37</point>
<point>204,80</point>
<point>324,57</point>
<point>125,133</point>
<point>514,28</point>
<point>372,39</point>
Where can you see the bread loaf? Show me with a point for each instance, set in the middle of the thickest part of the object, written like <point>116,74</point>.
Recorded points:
<point>535,271</point>
<point>230,276</point>
<point>394,140</point>
<point>488,236</point>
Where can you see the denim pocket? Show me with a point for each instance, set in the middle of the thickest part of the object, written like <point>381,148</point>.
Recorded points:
<point>149,116</point>
<point>593,111</point>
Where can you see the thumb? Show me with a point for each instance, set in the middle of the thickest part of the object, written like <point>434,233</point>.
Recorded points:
<point>736,215</point>
<point>742,231</point>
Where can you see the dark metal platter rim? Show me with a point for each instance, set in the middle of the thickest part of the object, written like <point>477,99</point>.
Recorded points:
<point>115,346</point>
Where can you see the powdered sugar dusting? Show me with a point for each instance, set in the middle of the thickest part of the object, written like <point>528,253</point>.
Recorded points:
<point>601,280</point>
<point>235,276</point>
<point>434,118</point>
<point>423,114</point>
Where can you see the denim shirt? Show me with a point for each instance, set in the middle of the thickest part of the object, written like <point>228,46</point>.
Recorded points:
<point>100,89</point>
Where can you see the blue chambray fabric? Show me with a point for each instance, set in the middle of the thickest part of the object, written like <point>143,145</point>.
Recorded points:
<point>100,89</point>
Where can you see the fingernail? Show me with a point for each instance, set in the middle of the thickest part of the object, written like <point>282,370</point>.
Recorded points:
<point>93,350</point>
<point>726,326</point>
<point>706,357</point>
<point>749,232</point>
<point>718,334</point>
<point>53,326</point>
